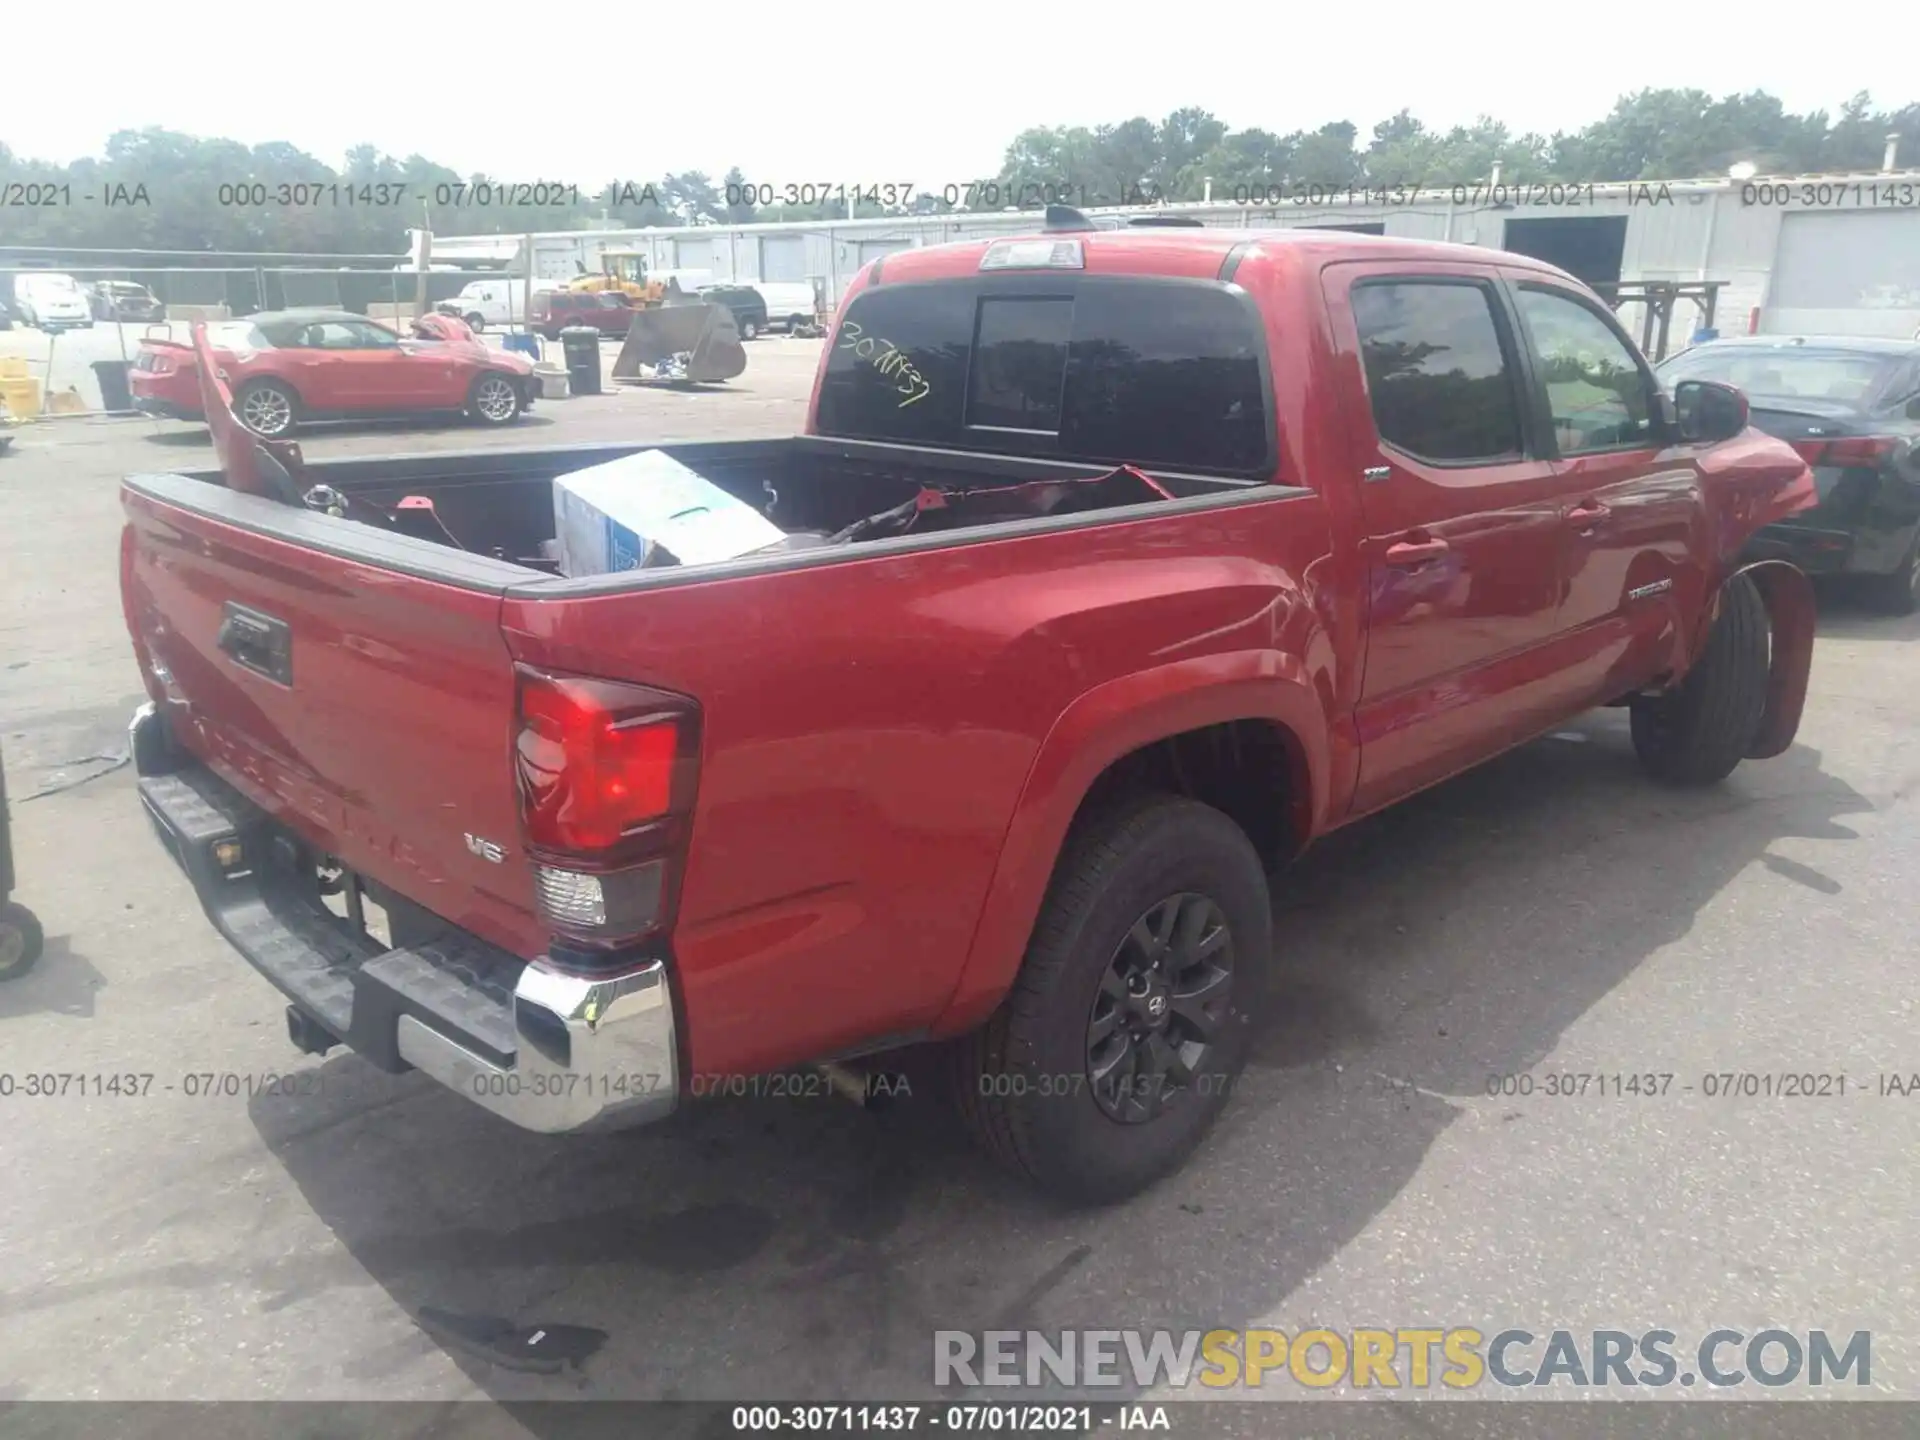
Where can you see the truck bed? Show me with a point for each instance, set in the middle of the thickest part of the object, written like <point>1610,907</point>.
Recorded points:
<point>498,504</point>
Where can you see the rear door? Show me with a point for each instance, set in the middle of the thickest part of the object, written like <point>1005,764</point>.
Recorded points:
<point>383,735</point>
<point>1461,516</point>
<point>1629,496</point>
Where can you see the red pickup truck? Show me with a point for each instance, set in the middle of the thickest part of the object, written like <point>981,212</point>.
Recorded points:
<point>1119,565</point>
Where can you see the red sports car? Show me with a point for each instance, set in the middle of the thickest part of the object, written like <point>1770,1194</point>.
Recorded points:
<point>287,366</point>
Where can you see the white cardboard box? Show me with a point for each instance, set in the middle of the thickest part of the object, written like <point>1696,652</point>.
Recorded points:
<point>622,515</point>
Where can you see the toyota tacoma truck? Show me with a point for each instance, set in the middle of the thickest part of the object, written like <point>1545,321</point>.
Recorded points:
<point>1118,565</point>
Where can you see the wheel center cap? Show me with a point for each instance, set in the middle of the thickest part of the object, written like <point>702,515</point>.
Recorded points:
<point>1157,1005</point>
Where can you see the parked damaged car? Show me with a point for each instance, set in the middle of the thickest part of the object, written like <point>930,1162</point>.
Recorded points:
<point>289,366</point>
<point>124,300</point>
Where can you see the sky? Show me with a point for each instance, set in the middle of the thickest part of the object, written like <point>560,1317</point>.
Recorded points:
<point>898,94</point>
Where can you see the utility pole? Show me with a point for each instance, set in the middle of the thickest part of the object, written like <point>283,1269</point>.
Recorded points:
<point>422,256</point>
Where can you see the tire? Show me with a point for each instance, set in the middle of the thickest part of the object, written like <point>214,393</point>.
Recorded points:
<point>1033,1084</point>
<point>749,330</point>
<point>493,398</point>
<point>1698,732</point>
<point>1898,593</point>
<point>267,408</point>
<point>21,941</point>
<point>476,322</point>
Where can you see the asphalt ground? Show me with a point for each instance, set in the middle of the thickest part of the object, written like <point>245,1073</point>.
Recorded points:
<point>1398,1155</point>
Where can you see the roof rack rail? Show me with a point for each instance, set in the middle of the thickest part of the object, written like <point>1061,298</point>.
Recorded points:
<point>1185,222</point>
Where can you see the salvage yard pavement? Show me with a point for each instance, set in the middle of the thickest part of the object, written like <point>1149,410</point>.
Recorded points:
<point>240,1221</point>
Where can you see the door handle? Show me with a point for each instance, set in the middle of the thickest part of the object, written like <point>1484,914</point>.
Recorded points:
<point>1407,554</point>
<point>1587,514</point>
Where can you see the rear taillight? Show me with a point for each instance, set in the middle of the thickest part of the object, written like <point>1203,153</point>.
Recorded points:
<point>1850,451</point>
<point>606,774</point>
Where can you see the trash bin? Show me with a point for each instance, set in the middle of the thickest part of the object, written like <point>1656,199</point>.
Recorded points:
<point>581,346</point>
<point>115,394</point>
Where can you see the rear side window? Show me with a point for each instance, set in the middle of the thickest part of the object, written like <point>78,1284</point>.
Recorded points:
<point>1154,372</point>
<point>1438,377</point>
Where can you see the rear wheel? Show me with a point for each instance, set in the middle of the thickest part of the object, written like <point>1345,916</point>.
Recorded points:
<point>1696,733</point>
<point>21,941</point>
<point>266,407</point>
<point>1132,1015</point>
<point>1898,593</point>
<point>494,399</point>
<point>748,329</point>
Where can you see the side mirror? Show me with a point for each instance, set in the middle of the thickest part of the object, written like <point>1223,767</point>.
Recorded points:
<point>1709,411</point>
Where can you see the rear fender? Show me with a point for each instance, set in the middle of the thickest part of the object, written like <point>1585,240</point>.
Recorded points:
<point>1108,722</point>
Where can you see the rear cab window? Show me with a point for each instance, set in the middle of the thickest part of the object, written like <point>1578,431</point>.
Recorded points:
<point>1160,372</point>
<point>1787,372</point>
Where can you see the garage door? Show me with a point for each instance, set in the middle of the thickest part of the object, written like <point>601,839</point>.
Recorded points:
<point>783,257</point>
<point>874,249</point>
<point>693,254</point>
<point>1846,273</point>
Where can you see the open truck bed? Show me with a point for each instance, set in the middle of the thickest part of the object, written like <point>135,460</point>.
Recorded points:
<point>494,508</point>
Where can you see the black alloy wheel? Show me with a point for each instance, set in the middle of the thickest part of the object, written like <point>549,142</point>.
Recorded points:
<point>1159,1008</point>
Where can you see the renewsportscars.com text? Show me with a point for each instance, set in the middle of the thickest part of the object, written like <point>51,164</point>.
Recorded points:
<point>1459,1358</point>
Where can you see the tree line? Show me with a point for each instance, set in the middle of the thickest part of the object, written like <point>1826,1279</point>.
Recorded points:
<point>162,190</point>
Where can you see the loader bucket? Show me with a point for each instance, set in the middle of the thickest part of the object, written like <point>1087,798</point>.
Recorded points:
<point>705,334</point>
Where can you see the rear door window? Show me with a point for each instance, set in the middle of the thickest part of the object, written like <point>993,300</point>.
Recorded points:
<point>1439,378</point>
<point>1161,372</point>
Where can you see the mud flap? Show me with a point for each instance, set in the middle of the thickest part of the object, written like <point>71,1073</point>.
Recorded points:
<point>1791,616</point>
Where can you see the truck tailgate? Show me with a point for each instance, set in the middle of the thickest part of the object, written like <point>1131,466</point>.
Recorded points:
<point>366,703</point>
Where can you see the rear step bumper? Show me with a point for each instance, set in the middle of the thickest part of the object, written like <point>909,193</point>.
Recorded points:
<point>548,1050</point>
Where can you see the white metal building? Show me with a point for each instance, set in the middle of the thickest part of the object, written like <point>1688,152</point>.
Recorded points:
<point>1812,253</point>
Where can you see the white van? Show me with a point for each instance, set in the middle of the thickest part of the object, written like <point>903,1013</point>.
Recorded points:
<point>789,302</point>
<point>495,302</point>
<point>51,302</point>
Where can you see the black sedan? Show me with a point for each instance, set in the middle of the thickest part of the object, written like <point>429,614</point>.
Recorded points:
<point>1852,408</point>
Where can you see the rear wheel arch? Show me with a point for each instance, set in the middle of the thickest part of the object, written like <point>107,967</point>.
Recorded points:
<point>1144,732</point>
